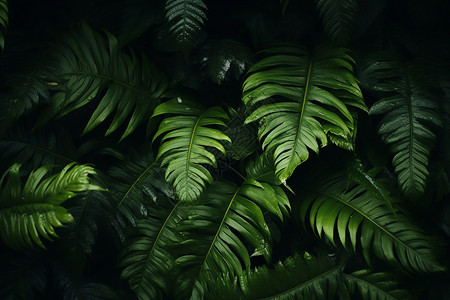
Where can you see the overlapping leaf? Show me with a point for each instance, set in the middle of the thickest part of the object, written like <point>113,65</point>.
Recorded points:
<point>220,232</point>
<point>294,278</point>
<point>409,120</point>
<point>185,19</point>
<point>184,145</point>
<point>92,66</point>
<point>32,212</point>
<point>309,99</point>
<point>356,215</point>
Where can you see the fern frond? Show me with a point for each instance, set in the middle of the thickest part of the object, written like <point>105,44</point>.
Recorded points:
<point>309,95</point>
<point>91,66</point>
<point>409,118</point>
<point>4,20</point>
<point>135,184</point>
<point>146,260</point>
<point>295,278</point>
<point>46,146</point>
<point>185,19</point>
<point>183,146</point>
<point>372,285</point>
<point>217,230</point>
<point>33,211</point>
<point>338,17</point>
<point>354,214</point>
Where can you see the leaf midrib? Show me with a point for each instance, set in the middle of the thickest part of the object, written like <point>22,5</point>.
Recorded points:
<point>300,123</point>
<point>157,239</point>
<point>135,182</point>
<point>191,143</point>
<point>111,79</point>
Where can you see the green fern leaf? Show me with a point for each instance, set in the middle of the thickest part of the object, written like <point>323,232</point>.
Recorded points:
<point>183,145</point>
<point>371,285</point>
<point>215,232</point>
<point>342,210</point>
<point>34,211</point>
<point>409,117</point>
<point>338,17</point>
<point>262,169</point>
<point>135,184</point>
<point>294,278</point>
<point>309,98</point>
<point>185,18</point>
<point>4,20</point>
<point>91,66</point>
<point>146,260</point>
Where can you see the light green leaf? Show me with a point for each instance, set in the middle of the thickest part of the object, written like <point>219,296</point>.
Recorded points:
<point>184,145</point>
<point>299,98</point>
<point>32,212</point>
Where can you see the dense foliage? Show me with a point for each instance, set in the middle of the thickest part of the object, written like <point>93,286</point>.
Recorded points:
<point>193,149</point>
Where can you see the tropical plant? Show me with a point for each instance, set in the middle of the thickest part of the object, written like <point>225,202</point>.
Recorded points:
<point>189,149</point>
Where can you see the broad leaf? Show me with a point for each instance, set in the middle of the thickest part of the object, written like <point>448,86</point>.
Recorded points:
<point>409,120</point>
<point>309,98</point>
<point>184,145</point>
<point>32,212</point>
<point>356,215</point>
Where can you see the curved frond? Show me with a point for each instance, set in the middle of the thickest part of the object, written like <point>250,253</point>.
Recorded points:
<point>184,145</point>
<point>146,260</point>
<point>309,99</point>
<point>4,20</point>
<point>371,285</point>
<point>91,66</point>
<point>217,231</point>
<point>185,19</point>
<point>355,214</point>
<point>409,116</point>
<point>33,211</point>
<point>338,17</point>
<point>262,169</point>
